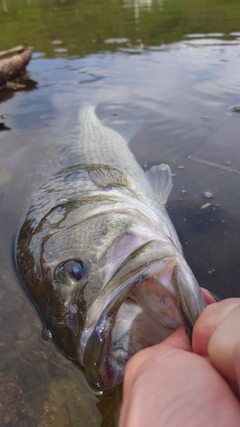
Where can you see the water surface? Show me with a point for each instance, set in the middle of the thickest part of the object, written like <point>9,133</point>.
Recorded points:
<point>173,64</point>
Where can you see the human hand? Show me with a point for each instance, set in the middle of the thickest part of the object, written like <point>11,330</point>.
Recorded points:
<point>168,385</point>
<point>216,334</point>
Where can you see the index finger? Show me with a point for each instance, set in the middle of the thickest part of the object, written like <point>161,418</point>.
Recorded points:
<point>208,296</point>
<point>208,321</point>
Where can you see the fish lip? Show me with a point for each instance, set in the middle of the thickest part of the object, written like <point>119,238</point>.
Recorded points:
<point>147,261</point>
<point>97,346</point>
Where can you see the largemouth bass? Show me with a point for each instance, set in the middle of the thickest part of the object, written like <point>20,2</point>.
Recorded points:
<point>100,257</point>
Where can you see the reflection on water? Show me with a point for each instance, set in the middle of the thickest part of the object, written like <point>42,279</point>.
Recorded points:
<point>141,4</point>
<point>176,68</point>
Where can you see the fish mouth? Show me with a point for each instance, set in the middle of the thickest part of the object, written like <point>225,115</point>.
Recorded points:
<point>155,291</point>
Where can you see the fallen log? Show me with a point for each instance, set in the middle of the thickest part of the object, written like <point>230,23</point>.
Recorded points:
<point>16,49</point>
<point>10,68</point>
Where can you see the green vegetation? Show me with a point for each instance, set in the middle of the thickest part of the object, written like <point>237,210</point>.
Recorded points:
<point>83,26</point>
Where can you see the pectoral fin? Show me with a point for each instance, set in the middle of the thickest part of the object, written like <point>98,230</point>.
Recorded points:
<point>108,177</point>
<point>160,178</point>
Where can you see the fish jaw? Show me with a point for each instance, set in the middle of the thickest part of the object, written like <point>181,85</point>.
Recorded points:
<point>152,293</point>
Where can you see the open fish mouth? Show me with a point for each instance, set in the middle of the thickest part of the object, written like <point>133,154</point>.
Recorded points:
<point>151,294</point>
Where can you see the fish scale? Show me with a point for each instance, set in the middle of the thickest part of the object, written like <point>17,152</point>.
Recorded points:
<point>99,144</point>
<point>99,255</point>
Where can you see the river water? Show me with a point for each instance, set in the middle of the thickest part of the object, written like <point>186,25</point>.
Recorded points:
<point>172,64</point>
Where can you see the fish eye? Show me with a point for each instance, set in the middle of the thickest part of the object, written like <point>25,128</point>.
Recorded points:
<point>73,269</point>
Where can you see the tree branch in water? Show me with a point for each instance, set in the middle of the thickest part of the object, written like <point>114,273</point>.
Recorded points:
<point>17,49</point>
<point>14,66</point>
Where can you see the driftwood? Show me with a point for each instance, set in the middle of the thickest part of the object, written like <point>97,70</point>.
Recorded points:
<point>16,49</point>
<point>10,68</point>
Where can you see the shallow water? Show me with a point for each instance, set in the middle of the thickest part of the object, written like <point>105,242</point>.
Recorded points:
<point>175,65</point>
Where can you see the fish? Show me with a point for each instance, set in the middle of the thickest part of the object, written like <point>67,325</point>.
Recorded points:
<point>99,256</point>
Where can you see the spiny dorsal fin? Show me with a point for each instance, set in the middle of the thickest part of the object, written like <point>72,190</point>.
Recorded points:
<point>160,178</point>
<point>108,177</point>
<point>122,125</point>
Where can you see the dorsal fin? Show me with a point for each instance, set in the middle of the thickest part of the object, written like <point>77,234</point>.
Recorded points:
<point>108,177</point>
<point>122,125</point>
<point>160,178</point>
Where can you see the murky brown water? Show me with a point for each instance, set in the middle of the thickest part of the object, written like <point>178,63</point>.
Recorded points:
<point>175,65</point>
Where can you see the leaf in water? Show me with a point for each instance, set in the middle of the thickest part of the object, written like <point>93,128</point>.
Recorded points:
<point>4,127</point>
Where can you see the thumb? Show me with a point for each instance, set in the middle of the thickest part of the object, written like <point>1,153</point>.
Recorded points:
<point>177,340</point>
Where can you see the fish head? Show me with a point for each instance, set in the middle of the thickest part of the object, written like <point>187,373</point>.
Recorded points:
<point>105,280</point>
